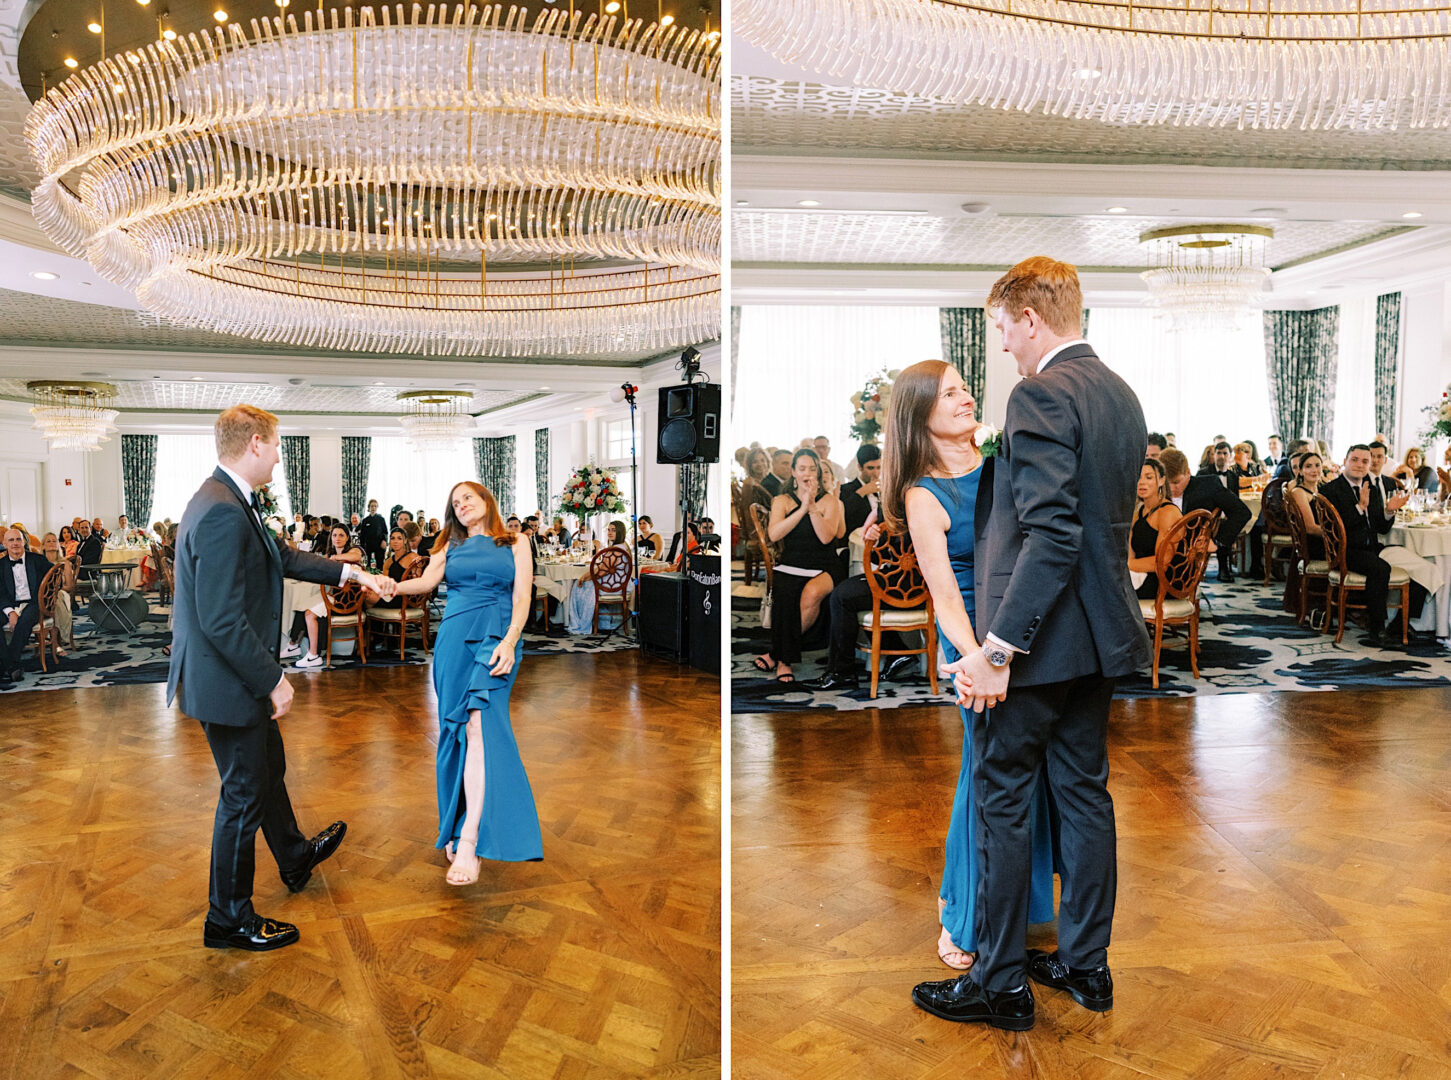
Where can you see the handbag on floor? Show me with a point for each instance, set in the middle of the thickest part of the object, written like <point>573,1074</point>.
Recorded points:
<point>766,610</point>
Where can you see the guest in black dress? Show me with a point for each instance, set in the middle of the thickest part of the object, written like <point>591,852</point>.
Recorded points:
<point>395,565</point>
<point>1156,515</point>
<point>807,521</point>
<point>1308,469</point>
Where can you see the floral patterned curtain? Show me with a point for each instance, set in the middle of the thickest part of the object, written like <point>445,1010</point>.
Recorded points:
<point>297,467</point>
<point>691,483</point>
<point>138,476</point>
<point>1301,355</point>
<point>964,344</point>
<point>1387,358</point>
<point>497,466</point>
<point>1083,326</point>
<point>541,466</point>
<point>357,455</point>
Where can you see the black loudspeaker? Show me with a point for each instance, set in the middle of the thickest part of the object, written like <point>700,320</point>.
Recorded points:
<point>689,424</point>
<point>703,600</point>
<point>662,610</point>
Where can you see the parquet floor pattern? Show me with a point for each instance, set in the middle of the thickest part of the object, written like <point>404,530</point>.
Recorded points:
<point>601,961</point>
<point>1284,896</point>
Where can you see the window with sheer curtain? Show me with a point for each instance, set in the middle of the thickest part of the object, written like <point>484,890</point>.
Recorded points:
<point>183,461</point>
<point>419,479</point>
<point>799,366</point>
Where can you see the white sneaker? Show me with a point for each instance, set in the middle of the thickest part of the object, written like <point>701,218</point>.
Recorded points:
<point>309,661</point>
<point>292,648</point>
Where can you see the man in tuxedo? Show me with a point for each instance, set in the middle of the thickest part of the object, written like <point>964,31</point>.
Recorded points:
<point>225,674</point>
<point>1205,492</point>
<point>1059,623</point>
<point>1386,484</point>
<point>90,548</point>
<point>1221,469</point>
<point>1366,516</point>
<point>19,602</point>
<point>775,480</point>
<point>1273,457</point>
<point>859,497</point>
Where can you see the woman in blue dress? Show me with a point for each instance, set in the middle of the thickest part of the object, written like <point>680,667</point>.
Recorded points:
<point>933,471</point>
<point>485,807</point>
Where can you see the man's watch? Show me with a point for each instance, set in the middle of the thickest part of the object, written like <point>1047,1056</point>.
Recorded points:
<point>996,655</point>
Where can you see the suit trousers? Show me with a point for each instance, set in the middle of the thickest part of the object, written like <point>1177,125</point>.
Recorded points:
<point>1377,584</point>
<point>252,764</point>
<point>1061,728</point>
<point>849,598</point>
<point>20,636</point>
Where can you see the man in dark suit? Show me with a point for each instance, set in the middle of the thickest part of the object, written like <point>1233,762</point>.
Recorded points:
<point>1221,469</point>
<point>1285,469</point>
<point>225,674</point>
<point>1205,492</point>
<point>1384,482</point>
<point>1273,453</point>
<point>1366,516</point>
<point>90,549</point>
<point>373,535</point>
<point>20,579</point>
<point>1059,622</point>
<point>775,480</point>
<point>859,496</point>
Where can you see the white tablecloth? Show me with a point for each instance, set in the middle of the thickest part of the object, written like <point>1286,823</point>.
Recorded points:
<point>557,579</point>
<point>124,555</point>
<point>1433,544</point>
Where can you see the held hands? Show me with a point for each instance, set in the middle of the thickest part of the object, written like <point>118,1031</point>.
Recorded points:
<point>978,683</point>
<point>281,698</point>
<point>385,586</point>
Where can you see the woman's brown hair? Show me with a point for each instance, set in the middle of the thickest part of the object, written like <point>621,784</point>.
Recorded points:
<point>820,478</point>
<point>453,530</point>
<point>909,453</point>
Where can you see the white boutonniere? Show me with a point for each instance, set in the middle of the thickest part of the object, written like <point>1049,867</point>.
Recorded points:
<point>988,439</point>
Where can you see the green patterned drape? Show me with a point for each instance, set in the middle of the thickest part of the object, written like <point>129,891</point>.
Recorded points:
<point>735,350</point>
<point>1301,356</point>
<point>691,482</point>
<point>1387,358</point>
<point>297,467</point>
<point>1083,326</point>
<point>541,467</point>
<point>357,455</point>
<point>497,467</point>
<point>964,344</point>
<point>138,476</point>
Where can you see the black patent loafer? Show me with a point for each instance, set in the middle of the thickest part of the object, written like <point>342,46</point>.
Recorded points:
<point>902,668</point>
<point>833,681</point>
<point>257,934</point>
<point>965,1002</point>
<point>1091,987</point>
<point>322,846</point>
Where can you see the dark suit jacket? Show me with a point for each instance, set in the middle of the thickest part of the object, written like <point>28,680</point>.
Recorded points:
<point>36,567</point>
<point>1231,478</point>
<point>856,508</point>
<point>1205,492</point>
<point>1052,524</point>
<point>372,531</point>
<point>1362,531</point>
<point>90,549</point>
<point>227,609</point>
<point>772,483</point>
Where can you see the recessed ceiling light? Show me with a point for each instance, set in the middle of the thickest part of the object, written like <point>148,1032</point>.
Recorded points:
<point>742,202</point>
<point>219,15</point>
<point>667,20</point>
<point>380,383</point>
<point>44,275</point>
<point>1411,214</point>
<point>72,63</point>
<point>1118,210</point>
<point>93,27</point>
<point>808,202</point>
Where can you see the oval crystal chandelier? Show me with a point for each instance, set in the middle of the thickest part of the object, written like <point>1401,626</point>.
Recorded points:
<point>1310,64</point>
<point>436,419</point>
<point>451,182</point>
<point>1206,277</point>
<point>73,415</point>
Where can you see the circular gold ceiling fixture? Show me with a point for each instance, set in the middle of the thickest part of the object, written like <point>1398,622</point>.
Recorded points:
<point>457,181</point>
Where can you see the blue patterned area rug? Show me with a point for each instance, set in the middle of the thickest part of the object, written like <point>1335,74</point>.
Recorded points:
<point>113,659</point>
<point>1247,645</point>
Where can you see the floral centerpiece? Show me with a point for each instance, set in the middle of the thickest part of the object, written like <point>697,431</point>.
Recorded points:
<point>592,490</point>
<point>869,406</point>
<point>1439,414</point>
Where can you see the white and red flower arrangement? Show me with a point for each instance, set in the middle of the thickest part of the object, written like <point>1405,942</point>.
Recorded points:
<point>592,490</point>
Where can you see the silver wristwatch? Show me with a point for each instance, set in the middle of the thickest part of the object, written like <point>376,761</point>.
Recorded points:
<point>996,655</point>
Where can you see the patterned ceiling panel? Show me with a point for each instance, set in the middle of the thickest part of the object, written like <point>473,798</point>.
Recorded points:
<point>769,113</point>
<point>990,241</point>
<point>156,395</point>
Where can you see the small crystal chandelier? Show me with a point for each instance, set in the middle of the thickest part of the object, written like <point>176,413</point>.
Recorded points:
<point>1371,65</point>
<point>73,415</point>
<point>451,181</point>
<point>436,419</point>
<point>1206,277</point>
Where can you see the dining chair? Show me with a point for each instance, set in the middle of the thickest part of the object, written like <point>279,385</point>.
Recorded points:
<point>900,601</point>
<point>610,571</point>
<point>1180,557</point>
<point>411,612</point>
<point>46,633</point>
<point>1313,573</point>
<point>1279,545</point>
<point>1343,582</point>
<point>344,605</point>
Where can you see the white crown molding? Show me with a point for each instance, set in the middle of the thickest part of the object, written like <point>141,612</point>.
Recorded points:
<point>1398,263</point>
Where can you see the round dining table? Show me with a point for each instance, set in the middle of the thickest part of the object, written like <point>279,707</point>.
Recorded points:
<point>1430,538</point>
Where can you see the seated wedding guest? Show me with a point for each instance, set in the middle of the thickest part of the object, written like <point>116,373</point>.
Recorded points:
<point>514,525</point>
<point>395,564</point>
<point>100,530</point>
<point>1157,445</point>
<point>1244,461</point>
<point>1155,516</point>
<point>859,497</point>
<point>32,542</point>
<point>649,543</point>
<point>584,540</point>
<point>807,521</point>
<point>1219,466</point>
<point>753,487</point>
<point>707,536</point>
<point>1206,459</point>
<point>69,543</point>
<point>343,548</point>
<point>403,517</point>
<point>822,445</point>
<point>122,531</point>
<point>1273,453</point>
<point>1298,494</point>
<point>1366,518</point>
<point>1414,473</point>
<point>50,548</point>
<point>1205,492</point>
<point>414,534</point>
<point>775,480</point>
<point>90,549</point>
<point>425,543</point>
<point>20,580</point>
<point>579,615</point>
<point>673,556</point>
<point>1383,480</point>
<point>1285,469</point>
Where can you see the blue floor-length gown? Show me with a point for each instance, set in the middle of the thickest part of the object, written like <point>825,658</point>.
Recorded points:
<point>480,578</point>
<point>958,497</point>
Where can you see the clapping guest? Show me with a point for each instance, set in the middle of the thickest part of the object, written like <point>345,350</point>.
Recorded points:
<point>1155,515</point>
<point>1415,473</point>
<point>807,521</point>
<point>344,549</point>
<point>1366,518</point>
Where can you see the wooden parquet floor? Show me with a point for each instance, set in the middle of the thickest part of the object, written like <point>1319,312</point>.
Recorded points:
<point>601,961</point>
<point>1284,896</point>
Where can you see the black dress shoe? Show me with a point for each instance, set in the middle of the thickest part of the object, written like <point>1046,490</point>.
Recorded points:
<point>1226,577</point>
<point>1091,987</point>
<point>255,935</point>
<point>901,669</point>
<point>965,1002</point>
<point>1375,639</point>
<point>833,681</point>
<point>322,845</point>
